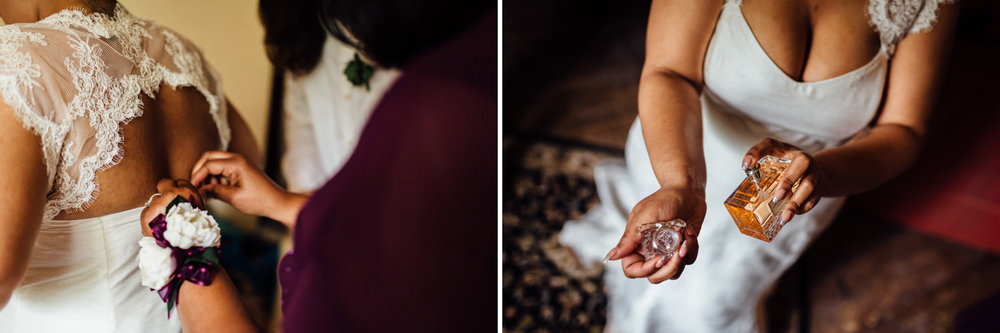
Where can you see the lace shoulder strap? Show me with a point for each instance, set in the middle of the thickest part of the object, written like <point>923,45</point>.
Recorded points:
<point>895,19</point>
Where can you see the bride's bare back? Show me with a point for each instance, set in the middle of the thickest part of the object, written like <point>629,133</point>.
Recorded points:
<point>118,103</point>
<point>165,142</point>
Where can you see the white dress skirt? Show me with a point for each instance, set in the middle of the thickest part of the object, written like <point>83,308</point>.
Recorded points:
<point>746,98</point>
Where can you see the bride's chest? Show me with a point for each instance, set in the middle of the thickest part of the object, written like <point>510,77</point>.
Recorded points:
<point>743,77</point>
<point>811,40</point>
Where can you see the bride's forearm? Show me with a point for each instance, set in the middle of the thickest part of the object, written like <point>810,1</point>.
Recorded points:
<point>213,308</point>
<point>670,112</point>
<point>870,159</point>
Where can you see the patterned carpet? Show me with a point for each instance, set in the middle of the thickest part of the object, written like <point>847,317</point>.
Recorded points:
<point>544,288</point>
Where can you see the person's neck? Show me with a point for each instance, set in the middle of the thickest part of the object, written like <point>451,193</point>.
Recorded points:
<point>33,11</point>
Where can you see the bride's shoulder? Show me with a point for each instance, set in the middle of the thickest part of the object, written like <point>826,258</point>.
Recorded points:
<point>164,41</point>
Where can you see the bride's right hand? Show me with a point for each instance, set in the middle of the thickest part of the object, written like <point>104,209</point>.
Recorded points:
<point>231,178</point>
<point>166,191</point>
<point>663,205</point>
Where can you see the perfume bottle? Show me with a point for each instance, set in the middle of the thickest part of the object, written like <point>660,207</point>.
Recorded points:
<point>661,239</point>
<point>751,204</point>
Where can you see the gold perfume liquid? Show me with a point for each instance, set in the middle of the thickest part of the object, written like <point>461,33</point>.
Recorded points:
<point>751,204</point>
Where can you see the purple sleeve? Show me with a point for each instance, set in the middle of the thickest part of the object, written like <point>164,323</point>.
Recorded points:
<point>404,237</point>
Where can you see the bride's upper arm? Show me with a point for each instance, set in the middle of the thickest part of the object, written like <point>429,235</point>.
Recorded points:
<point>677,36</point>
<point>243,141</point>
<point>916,72</point>
<point>23,186</point>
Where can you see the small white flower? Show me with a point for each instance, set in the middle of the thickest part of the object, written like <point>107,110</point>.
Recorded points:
<point>188,226</point>
<point>157,264</point>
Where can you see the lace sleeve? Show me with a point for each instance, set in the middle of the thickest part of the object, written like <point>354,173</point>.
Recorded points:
<point>895,19</point>
<point>927,16</point>
<point>183,65</point>
<point>20,81</point>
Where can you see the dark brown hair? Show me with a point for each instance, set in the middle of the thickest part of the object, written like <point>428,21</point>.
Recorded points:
<point>106,7</point>
<point>293,35</point>
<point>394,32</point>
<point>390,32</point>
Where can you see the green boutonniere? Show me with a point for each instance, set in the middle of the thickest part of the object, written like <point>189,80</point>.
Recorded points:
<point>359,73</point>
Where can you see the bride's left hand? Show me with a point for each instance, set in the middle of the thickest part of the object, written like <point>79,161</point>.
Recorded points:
<point>168,190</point>
<point>804,168</point>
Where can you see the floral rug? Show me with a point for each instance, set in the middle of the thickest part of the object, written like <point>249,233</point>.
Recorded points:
<point>544,288</point>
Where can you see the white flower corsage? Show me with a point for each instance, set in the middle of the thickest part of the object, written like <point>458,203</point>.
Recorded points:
<point>184,247</point>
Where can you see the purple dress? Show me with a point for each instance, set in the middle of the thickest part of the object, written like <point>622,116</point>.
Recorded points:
<point>404,237</point>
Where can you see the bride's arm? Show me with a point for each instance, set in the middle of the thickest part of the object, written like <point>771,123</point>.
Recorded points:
<point>894,143</point>
<point>677,37</point>
<point>23,184</point>
<point>243,141</point>
<point>213,308</point>
<point>216,307</point>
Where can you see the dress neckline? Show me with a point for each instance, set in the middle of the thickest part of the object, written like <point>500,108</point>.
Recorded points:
<point>97,23</point>
<point>875,60</point>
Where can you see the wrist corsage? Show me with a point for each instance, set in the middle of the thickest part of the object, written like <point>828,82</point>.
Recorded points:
<point>184,247</point>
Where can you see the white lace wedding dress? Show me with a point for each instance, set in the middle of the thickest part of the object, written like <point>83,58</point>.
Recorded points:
<point>745,99</point>
<point>74,79</point>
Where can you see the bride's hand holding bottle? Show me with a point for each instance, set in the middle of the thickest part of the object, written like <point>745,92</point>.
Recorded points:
<point>667,203</point>
<point>231,178</point>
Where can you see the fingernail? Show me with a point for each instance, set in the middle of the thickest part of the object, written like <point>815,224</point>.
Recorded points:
<point>746,161</point>
<point>684,249</point>
<point>661,262</point>
<point>778,195</point>
<point>608,256</point>
<point>786,215</point>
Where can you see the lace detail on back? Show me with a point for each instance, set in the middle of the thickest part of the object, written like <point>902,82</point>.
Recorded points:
<point>111,62</point>
<point>894,19</point>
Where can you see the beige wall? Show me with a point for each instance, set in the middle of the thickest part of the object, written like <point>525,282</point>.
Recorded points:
<point>230,35</point>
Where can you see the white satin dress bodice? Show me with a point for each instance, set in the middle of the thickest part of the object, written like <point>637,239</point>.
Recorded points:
<point>74,78</point>
<point>746,98</point>
<point>83,277</point>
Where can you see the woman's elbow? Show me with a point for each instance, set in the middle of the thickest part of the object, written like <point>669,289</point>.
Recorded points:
<point>6,291</point>
<point>653,75</point>
<point>9,280</point>
<point>912,140</point>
